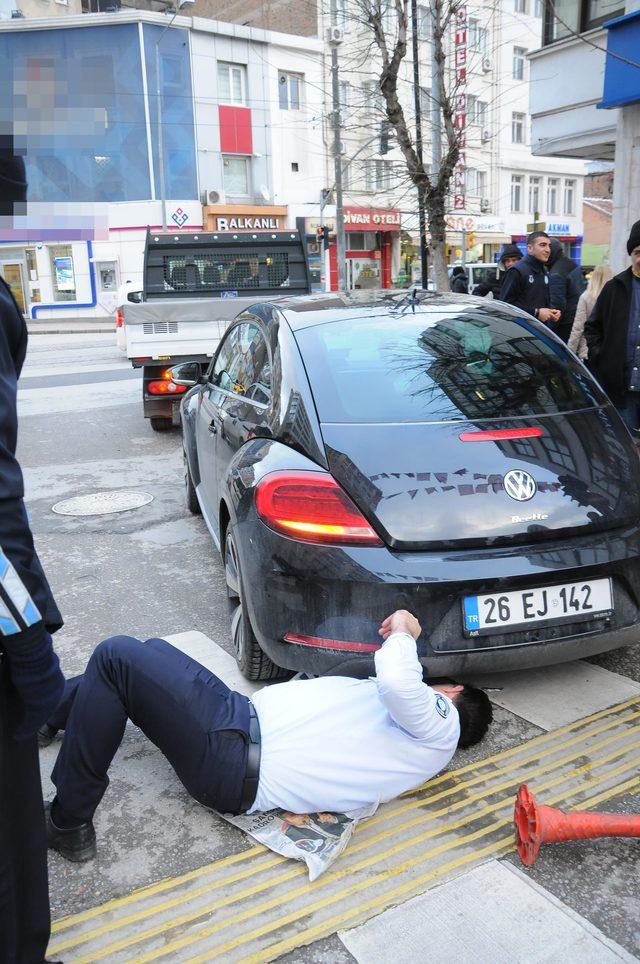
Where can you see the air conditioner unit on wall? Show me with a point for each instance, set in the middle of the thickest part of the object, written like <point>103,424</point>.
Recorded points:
<point>335,35</point>
<point>487,65</point>
<point>485,136</point>
<point>211,197</point>
<point>485,205</point>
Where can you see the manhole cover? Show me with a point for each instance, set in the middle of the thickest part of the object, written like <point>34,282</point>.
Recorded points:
<point>102,503</point>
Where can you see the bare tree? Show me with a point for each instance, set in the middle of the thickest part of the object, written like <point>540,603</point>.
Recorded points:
<point>387,22</point>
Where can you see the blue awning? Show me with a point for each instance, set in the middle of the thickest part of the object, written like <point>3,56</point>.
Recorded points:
<point>622,76</point>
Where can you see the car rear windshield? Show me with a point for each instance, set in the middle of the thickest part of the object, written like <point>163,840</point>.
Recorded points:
<point>445,365</point>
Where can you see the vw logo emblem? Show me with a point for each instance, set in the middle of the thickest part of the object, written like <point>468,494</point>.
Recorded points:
<point>519,485</point>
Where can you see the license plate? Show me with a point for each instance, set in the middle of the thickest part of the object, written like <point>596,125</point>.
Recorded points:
<point>498,612</point>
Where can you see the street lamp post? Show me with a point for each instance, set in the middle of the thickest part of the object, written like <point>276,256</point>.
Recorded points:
<point>163,188</point>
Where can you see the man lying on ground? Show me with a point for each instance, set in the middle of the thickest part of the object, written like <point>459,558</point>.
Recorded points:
<point>327,744</point>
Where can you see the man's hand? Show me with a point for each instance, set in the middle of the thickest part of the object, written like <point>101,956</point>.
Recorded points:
<point>549,314</point>
<point>400,622</point>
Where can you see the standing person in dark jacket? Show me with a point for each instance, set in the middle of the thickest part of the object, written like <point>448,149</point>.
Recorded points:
<point>459,281</point>
<point>31,683</point>
<point>526,284</point>
<point>613,336</point>
<point>567,284</point>
<point>511,254</point>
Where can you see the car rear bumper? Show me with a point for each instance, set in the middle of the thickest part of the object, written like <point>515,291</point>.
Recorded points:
<point>344,593</point>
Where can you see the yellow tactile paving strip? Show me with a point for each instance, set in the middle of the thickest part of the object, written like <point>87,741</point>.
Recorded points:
<point>255,905</point>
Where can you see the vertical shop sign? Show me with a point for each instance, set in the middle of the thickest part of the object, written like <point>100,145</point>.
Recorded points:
<point>460,114</point>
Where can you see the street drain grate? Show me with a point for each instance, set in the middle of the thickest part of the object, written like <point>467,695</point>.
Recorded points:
<point>103,503</point>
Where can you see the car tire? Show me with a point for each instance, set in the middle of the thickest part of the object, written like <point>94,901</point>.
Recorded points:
<point>253,662</point>
<point>189,488</point>
<point>159,424</point>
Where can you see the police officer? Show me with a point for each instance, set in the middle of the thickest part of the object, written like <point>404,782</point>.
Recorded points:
<point>31,683</point>
<point>526,284</point>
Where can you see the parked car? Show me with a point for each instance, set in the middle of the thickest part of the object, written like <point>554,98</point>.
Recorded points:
<point>353,454</point>
<point>477,272</point>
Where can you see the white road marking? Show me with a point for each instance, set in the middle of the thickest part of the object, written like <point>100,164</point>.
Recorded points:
<point>214,657</point>
<point>493,915</point>
<point>552,696</point>
<point>78,398</point>
<point>42,371</point>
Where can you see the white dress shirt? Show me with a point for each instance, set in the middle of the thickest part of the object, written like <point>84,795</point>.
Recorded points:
<point>341,744</point>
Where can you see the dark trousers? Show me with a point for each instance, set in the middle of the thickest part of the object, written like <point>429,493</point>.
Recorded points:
<point>198,723</point>
<point>24,891</point>
<point>630,411</point>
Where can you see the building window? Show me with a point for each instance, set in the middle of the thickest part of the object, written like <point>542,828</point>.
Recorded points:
<point>235,176</point>
<point>231,84</point>
<point>517,182</point>
<point>62,272</point>
<point>569,196</point>
<point>552,195</point>
<point>424,22</point>
<point>520,6</point>
<point>538,8</point>
<point>377,175</point>
<point>476,183</point>
<point>289,91</point>
<point>478,37</point>
<point>534,195</point>
<point>517,128</point>
<point>477,111</point>
<point>565,17</point>
<point>517,70</point>
<point>373,98</point>
<point>341,13</point>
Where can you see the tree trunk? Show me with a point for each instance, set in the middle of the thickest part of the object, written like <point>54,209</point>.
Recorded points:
<point>437,230</point>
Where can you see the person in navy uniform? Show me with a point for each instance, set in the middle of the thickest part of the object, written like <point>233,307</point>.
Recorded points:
<point>526,283</point>
<point>31,683</point>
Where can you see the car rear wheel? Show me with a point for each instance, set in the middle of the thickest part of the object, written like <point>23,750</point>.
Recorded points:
<point>189,488</point>
<point>159,424</point>
<point>254,664</point>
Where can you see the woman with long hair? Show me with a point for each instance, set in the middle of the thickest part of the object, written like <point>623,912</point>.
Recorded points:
<point>577,341</point>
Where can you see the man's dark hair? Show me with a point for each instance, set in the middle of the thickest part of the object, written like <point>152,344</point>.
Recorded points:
<point>536,234</point>
<point>474,709</point>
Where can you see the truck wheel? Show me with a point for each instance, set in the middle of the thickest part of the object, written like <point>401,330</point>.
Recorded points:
<point>254,664</point>
<point>159,424</point>
<point>189,488</point>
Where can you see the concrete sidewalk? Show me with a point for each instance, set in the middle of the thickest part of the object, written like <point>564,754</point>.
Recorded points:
<point>71,326</point>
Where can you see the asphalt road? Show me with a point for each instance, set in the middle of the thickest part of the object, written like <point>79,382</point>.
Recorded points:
<point>154,571</point>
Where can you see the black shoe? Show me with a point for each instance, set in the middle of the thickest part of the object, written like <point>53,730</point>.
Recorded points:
<point>77,844</point>
<point>46,735</point>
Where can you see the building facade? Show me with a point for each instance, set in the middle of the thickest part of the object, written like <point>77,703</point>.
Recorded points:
<point>585,98</point>
<point>239,145</point>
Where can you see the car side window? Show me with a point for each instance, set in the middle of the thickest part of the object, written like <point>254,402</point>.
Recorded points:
<point>243,365</point>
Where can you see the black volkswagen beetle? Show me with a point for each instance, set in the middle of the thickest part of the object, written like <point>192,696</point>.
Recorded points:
<point>355,454</point>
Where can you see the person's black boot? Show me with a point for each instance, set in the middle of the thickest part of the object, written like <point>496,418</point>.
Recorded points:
<point>75,843</point>
<point>46,735</point>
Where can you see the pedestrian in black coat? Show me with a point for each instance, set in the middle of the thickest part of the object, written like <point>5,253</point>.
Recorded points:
<point>613,336</point>
<point>567,284</point>
<point>526,284</point>
<point>510,255</point>
<point>459,281</point>
<point>31,683</point>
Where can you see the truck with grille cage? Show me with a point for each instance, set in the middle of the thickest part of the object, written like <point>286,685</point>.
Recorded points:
<point>194,284</point>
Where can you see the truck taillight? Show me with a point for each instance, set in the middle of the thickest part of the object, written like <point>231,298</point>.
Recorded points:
<point>165,388</point>
<point>119,318</point>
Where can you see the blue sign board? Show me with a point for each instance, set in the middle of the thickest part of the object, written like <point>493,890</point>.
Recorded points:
<point>621,72</point>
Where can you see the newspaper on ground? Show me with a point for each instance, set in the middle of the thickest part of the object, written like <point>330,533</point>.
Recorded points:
<point>316,838</point>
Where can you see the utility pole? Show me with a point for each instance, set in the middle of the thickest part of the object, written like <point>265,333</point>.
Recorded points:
<point>436,96</point>
<point>422,221</point>
<point>341,245</point>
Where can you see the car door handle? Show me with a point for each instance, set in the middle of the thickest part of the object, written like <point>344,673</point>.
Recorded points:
<point>213,428</point>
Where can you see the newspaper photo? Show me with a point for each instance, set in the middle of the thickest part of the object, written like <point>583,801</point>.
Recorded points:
<point>316,838</point>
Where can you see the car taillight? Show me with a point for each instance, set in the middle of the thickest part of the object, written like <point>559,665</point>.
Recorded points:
<point>498,435</point>
<point>311,507</point>
<point>119,318</point>
<point>165,388</point>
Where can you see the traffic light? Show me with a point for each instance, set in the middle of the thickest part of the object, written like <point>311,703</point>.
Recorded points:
<point>323,233</point>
